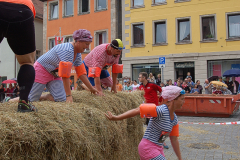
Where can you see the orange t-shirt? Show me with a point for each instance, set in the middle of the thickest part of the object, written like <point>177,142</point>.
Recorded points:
<point>25,2</point>
<point>119,87</point>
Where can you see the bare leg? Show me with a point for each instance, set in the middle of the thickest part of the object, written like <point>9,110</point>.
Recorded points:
<point>14,99</point>
<point>46,97</point>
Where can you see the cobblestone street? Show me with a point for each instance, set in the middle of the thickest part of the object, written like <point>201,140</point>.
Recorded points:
<point>207,142</point>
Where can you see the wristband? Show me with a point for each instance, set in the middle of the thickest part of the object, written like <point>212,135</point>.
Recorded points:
<point>68,95</point>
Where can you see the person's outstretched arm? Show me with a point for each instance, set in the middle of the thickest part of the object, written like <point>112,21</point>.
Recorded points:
<point>128,114</point>
<point>175,145</point>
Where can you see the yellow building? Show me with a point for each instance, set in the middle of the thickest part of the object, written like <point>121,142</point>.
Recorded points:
<point>197,36</point>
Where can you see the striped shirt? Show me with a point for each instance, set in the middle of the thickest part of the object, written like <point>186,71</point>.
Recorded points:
<point>62,52</point>
<point>159,124</point>
<point>98,57</point>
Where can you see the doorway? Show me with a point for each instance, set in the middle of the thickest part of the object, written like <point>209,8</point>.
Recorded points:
<point>182,68</point>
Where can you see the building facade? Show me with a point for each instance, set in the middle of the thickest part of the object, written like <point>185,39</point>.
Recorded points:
<point>200,37</point>
<point>63,17</point>
<point>9,66</point>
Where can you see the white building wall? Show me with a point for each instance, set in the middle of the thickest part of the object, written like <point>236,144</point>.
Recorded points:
<point>7,57</point>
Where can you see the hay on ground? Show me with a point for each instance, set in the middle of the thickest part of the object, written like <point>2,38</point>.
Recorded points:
<point>76,130</point>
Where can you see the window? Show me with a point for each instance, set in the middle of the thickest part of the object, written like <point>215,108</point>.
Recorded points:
<point>138,3</point>
<point>176,1</point>
<point>53,10</point>
<point>68,39</point>
<point>159,1</point>
<point>184,30</point>
<point>101,5</point>
<point>101,38</point>
<point>83,6</point>
<point>38,54</point>
<point>160,32</point>
<point>138,36</point>
<point>149,68</point>
<point>218,67</point>
<point>208,28</point>
<point>68,7</point>
<point>234,26</point>
<point>51,43</point>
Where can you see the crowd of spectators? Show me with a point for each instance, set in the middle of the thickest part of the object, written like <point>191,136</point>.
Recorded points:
<point>10,91</point>
<point>188,85</point>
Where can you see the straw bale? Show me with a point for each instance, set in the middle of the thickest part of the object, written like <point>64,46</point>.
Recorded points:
<point>77,130</point>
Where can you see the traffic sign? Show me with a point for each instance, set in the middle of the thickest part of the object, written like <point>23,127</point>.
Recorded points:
<point>161,60</point>
<point>161,65</point>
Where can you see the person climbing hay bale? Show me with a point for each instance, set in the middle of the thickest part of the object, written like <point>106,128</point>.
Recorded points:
<point>77,130</point>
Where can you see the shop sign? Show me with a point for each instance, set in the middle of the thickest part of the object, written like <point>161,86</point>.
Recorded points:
<point>184,65</point>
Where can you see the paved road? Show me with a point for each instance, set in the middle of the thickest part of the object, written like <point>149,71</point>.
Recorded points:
<point>225,139</point>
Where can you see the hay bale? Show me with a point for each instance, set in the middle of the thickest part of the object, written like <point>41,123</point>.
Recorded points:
<point>76,130</point>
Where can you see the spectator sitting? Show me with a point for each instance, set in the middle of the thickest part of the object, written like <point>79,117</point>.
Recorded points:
<point>128,88</point>
<point>188,84</point>
<point>189,75</point>
<point>218,90</point>
<point>135,86</point>
<point>125,84</point>
<point>181,81</point>
<point>235,86</point>
<point>10,90</point>
<point>229,84</point>
<point>158,80</point>
<point>162,84</point>
<point>208,87</point>
<point>195,90</point>
<point>119,86</point>
<point>191,83</point>
<point>16,91</point>
<point>15,85</point>
<point>167,83</point>
<point>199,86</point>
<point>185,87</point>
<point>152,78</point>
<point>239,89</point>
<point>220,79</point>
<point>226,91</point>
<point>175,82</point>
<point>2,91</point>
<point>170,82</point>
<point>178,83</point>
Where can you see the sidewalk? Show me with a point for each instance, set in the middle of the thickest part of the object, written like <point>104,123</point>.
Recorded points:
<point>207,142</point>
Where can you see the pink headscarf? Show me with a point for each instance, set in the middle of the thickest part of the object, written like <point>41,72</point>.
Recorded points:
<point>171,92</point>
<point>82,35</point>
